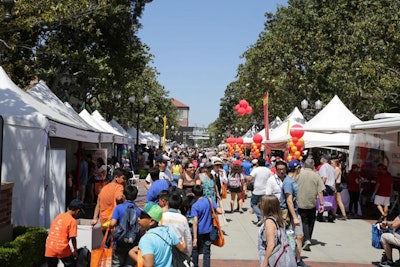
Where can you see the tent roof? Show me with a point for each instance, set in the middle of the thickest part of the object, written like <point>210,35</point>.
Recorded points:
<point>40,108</point>
<point>334,117</point>
<point>105,135</point>
<point>331,126</point>
<point>380,126</point>
<point>16,106</point>
<point>118,137</point>
<point>281,132</point>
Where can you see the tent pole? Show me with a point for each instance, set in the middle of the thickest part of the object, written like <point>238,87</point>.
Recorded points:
<point>1,147</point>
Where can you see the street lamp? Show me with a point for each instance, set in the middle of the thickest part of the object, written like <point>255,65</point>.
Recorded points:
<point>138,109</point>
<point>309,113</point>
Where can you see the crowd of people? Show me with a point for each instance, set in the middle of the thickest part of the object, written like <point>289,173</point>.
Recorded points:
<point>183,187</point>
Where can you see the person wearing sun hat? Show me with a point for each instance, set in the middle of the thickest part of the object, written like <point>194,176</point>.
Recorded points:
<point>156,243</point>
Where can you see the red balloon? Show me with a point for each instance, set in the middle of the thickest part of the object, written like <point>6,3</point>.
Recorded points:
<point>249,110</point>
<point>233,140</point>
<point>296,133</point>
<point>243,103</point>
<point>237,107</point>
<point>257,138</point>
<point>239,140</point>
<point>241,111</point>
<point>294,140</point>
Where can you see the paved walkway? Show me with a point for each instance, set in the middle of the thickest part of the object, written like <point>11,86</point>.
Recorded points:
<point>343,243</point>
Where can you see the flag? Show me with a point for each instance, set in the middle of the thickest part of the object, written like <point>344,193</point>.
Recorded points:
<point>266,121</point>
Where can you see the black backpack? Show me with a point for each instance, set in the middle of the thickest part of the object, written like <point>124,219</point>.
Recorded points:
<point>128,230</point>
<point>84,255</point>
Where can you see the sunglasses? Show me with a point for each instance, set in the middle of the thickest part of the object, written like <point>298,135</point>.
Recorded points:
<point>190,167</point>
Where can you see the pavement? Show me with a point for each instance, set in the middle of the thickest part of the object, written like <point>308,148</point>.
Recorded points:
<point>342,243</point>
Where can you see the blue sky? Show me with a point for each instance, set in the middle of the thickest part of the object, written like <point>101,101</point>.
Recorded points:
<point>197,47</point>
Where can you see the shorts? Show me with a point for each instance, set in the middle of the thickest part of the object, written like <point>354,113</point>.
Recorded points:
<point>235,189</point>
<point>298,229</point>
<point>383,201</point>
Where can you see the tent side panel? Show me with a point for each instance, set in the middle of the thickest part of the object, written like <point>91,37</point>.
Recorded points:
<point>24,157</point>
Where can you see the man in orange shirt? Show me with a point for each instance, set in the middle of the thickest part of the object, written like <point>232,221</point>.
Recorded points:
<point>63,229</point>
<point>109,196</point>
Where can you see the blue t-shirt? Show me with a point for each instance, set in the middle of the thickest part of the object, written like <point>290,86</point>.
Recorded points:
<point>202,210</point>
<point>247,165</point>
<point>155,188</point>
<point>120,209</point>
<point>289,186</point>
<point>151,243</point>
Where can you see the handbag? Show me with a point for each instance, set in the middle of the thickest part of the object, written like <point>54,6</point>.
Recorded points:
<point>224,191</point>
<point>377,232</point>
<point>102,256</point>
<point>219,239</point>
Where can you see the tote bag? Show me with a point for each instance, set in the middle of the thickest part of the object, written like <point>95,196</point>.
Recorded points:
<point>220,240</point>
<point>102,256</point>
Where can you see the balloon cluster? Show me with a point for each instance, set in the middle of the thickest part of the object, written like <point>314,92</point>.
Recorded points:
<point>235,145</point>
<point>296,143</point>
<point>243,108</point>
<point>256,145</point>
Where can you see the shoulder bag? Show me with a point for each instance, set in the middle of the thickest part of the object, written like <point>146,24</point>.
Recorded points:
<point>216,234</point>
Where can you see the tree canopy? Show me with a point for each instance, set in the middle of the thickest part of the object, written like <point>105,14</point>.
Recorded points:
<point>88,53</point>
<point>315,49</point>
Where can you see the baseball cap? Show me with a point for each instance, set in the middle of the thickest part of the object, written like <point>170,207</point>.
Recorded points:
<point>153,210</point>
<point>163,158</point>
<point>76,204</point>
<point>254,161</point>
<point>217,161</point>
<point>293,165</point>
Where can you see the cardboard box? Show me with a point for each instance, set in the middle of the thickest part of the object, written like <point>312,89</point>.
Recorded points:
<point>88,235</point>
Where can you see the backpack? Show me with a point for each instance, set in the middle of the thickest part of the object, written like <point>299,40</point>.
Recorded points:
<point>282,254</point>
<point>128,230</point>
<point>234,180</point>
<point>84,256</point>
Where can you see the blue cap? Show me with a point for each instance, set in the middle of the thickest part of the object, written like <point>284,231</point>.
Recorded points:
<point>293,165</point>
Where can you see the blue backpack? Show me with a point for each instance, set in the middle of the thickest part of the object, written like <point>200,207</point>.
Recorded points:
<point>128,230</point>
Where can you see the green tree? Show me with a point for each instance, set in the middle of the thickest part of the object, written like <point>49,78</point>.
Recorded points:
<point>315,49</point>
<point>86,51</point>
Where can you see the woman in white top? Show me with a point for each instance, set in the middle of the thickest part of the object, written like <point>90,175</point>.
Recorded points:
<point>338,197</point>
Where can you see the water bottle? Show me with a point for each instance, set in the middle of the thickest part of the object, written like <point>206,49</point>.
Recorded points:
<point>291,239</point>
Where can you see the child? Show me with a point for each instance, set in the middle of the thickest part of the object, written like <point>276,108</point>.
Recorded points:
<point>63,229</point>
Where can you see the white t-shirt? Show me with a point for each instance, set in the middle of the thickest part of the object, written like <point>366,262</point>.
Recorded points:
<point>166,175</point>
<point>274,186</point>
<point>328,171</point>
<point>261,176</point>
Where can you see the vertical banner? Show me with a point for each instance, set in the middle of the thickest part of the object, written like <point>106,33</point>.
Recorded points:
<point>164,133</point>
<point>266,120</point>
<point>267,151</point>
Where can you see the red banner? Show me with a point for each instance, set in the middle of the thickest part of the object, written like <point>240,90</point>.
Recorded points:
<point>266,120</point>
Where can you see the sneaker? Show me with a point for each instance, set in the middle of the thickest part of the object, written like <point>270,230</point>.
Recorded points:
<point>342,218</point>
<point>386,263</point>
<point>241,211</point>
<point>307,245</point>
<point>301,263</point>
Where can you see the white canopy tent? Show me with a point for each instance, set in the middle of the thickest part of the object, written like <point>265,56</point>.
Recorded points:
<point>379,138</point>
<point>28,161</point>
<point>105,135</point>
<point>118,137</point>
<point>330,127</point>
<point>142,138</point>
<point>279,135</point>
